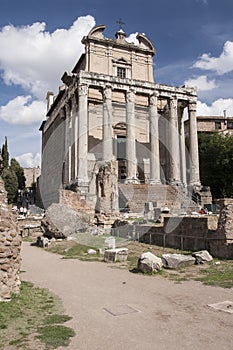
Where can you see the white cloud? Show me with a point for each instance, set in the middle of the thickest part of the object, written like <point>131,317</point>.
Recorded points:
<point>22,110</point>
<point>29,160</point>
<point>202,83</point>
<point>222,64</point>
<point>216,108</point>
<point>132,38</point>
<point>36,59</point>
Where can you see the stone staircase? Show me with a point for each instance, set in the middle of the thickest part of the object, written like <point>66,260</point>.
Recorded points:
<point>134,196</point>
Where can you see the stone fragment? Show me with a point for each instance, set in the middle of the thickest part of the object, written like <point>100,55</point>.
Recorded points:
<point>149,262</point>
<point>91,251</point>
<point>117,254</point>
<point>202,256</point>
<point>175,261</point>
<point>61,221</point>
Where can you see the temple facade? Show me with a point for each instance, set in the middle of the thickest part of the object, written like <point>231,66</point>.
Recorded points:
<point>112,124</point>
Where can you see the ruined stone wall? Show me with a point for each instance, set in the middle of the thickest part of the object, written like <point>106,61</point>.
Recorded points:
<point>75,201</point>
<point>10,246</point>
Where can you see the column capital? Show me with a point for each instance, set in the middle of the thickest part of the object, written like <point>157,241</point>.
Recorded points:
<point>130,95</point>
<point>192,105</point>
<point>153,98</point>
<point>83,90</point>
<point>107,93</point>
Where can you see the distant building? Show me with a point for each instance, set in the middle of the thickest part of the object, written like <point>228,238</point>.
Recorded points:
<point>222,124</point>
<point>31,175</point>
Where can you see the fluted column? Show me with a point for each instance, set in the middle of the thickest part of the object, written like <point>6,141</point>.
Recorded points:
<point>107,124</point>
<point>130,139</point>
<point>154,140</point>
<point>174,143</point>
<point>193,142</point>
<point>82,136</point>
<point>182,144</point>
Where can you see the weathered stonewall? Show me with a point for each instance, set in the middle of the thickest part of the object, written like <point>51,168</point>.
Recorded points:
<point>149,262</point>
<point>10,246</point>
<point>175,261</point>
<point>202,256</point>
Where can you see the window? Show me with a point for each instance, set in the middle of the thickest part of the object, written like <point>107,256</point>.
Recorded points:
<point>218,126</point>
<point>121,72</point>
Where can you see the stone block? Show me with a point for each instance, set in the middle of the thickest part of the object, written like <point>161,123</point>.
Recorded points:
<point>202,256</point>
<point>149,262</point>
<point>175,261</point>
<point>117,254</point>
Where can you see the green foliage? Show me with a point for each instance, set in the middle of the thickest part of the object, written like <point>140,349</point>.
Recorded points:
<point>5,155</point>
<point>216,163</point>
<point>11,184</point>
<point>15,166</point>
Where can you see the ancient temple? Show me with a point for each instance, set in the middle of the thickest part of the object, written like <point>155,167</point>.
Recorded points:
<point>112,125</point>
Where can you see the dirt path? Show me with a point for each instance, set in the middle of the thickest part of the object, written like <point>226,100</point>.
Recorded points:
<point>113,309</point>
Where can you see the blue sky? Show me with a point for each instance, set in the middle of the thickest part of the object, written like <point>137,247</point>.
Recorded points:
<point>39,40</point>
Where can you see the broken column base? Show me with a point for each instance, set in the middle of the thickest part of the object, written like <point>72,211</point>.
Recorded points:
<point>115,255</point>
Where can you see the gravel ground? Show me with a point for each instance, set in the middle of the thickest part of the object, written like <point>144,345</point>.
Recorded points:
<point>114,309</point>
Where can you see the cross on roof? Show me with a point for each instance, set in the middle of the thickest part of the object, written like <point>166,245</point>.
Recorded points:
<point>120,22</point>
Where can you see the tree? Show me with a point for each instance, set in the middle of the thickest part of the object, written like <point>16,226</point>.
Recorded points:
<point>5,155</point>
<point>15,166</point>
<point>216,163</point>
<point>11,184</point>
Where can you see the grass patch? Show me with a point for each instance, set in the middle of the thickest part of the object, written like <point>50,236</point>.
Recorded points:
<point>21,317</point>
<point>55,335</point>
<point>52,319</point>
<point>218,275</point>
<point>73,250</point>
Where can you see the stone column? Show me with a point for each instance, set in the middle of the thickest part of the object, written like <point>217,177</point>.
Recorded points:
<point>130,139</point>
<point>174,143</point>
<point>68,143</point>
<point>154,140</point>
<point>75,134</point>
<point>82,136</point>
<point>193,142</point>
<point>107,125</point>
<point>182,144</point>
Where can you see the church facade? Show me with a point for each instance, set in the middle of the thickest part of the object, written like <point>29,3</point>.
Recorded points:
<point>111,122</point>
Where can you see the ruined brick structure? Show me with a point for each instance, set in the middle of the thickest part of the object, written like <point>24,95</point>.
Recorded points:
<point>10,245</point>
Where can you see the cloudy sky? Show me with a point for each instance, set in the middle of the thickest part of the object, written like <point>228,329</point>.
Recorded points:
<point>39,40</point>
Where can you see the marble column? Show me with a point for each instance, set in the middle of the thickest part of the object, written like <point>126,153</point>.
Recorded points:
<point>82,136</point>
<point>182,144</point>
<point>130,139</point>
<point>107,125</point>
<point>174,143</point>
<point>193,145</point>
<point>67,142</point>
<point>75,134</point>
<point>154,140</point>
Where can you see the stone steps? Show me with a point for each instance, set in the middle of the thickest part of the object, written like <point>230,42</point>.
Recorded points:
<point>134,197</point>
